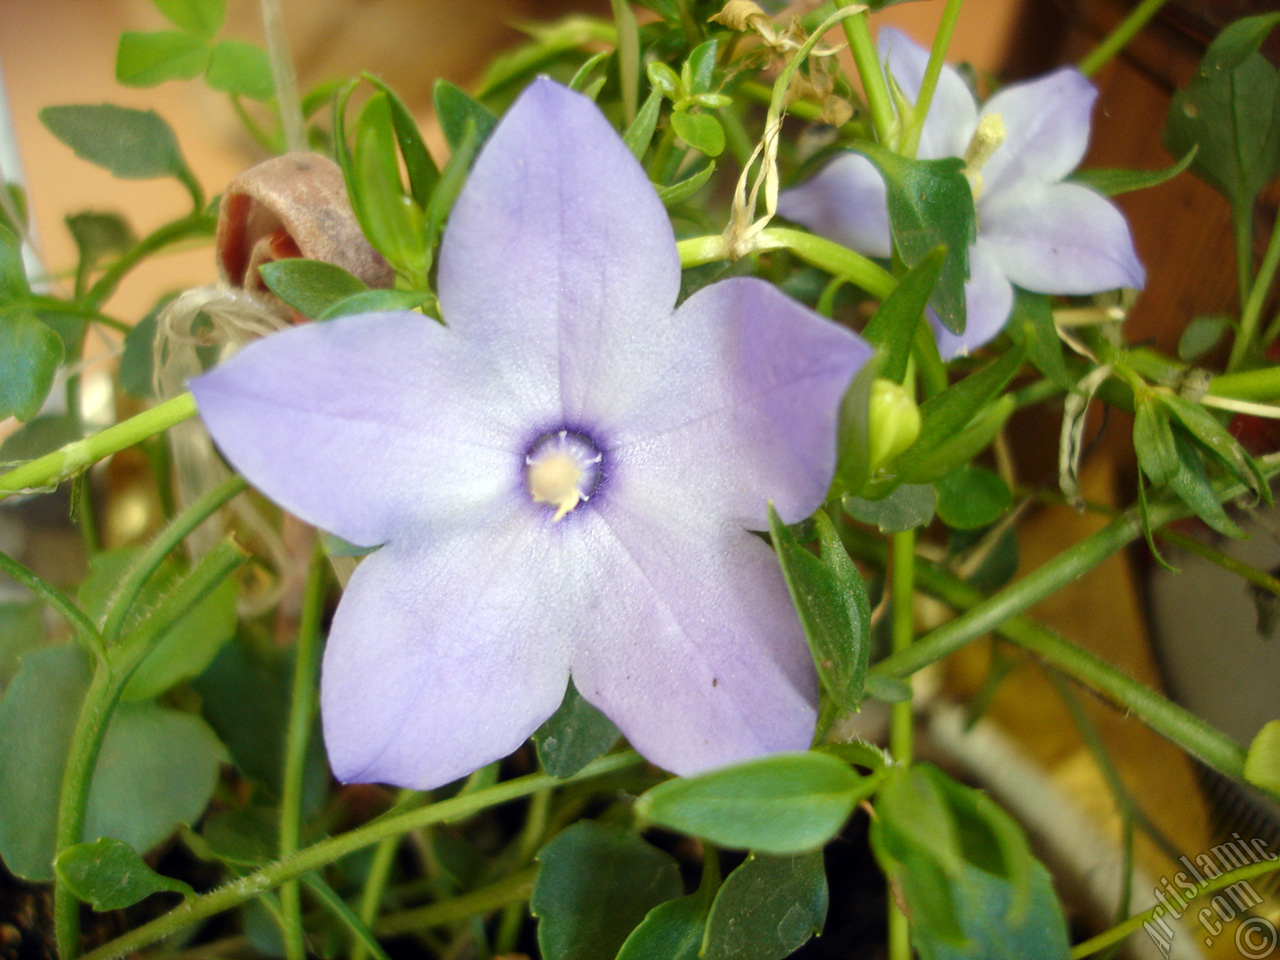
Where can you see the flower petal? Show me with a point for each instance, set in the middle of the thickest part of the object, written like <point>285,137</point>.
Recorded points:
<point>444,656</point>
<point>1060,238</point>
<point>558,254</point>
<point>988,297</point>
<point>1046,125</point>
<point>846,202</point>
<point>350,424</point>
<point>953,111</point>
<point>755,416</point>
<point>696,654</point>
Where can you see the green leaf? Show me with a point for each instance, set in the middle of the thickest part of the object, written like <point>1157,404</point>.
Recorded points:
<point>1115,182</point>
<point>185,649</point>
<point>390,218</point>
<point>1200,336</point>
<point>42,435</point>
<point>972,497</point>
<point>13,273</point>
<point>1262,763</point>
<point>701,131</point>
<point>451,180</point>
<point>310,286</point>
<point>422,170</point>
<point>931,205</point>
<point>595,885</point>
<point>1208,431</point>
<point>97,236</point>
<point>1231,111</point>
<point>19,200</point>
<point>132,144</point>
<point>893,326</point>
<point>663,79</point>
<point>906,507</point>
<point>150,59</point>
<point>672,931</point>
<point>582,81</point>
<point>1031,326</point>
<point>375,301</point>
<point>945,414</point>
<point>1193,488</point>
<point>699,69</point>
<point>454,109</point>
<point>983,903</point>
<point>200,17</point>
<point>767,908</point>
<point>781,804</point>
<point>109,875</point>
<point>831,600</point>
<point>241,69</point>
<point>640,133</point>
<point>573,736</point>
<point>1153,440</point>
<point>157,768</point>
<point>21,630</point>
<point>245,697</point>
<point>137,362</point>
<point>30,353</point>
<point>686,188</point>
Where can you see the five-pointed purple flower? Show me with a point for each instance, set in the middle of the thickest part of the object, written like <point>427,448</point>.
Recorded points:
<point>561,477</point>
<point>1034,230</point>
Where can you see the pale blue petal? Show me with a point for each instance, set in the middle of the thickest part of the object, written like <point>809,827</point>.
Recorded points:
<point>696,652</point>
<point>1046,125</point>
<point>448,652</point>
<point>953,111</point>
<point>988,298</point>
<point>753,417</point>
<point>558,254</point>
<point>1061,238</point>
<point>365,426</point>
<point>846,202</point>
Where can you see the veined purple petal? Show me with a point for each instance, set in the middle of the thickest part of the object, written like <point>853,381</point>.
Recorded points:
<point>697,654</point>
<point>558,254</point>
<point>1060,238</point>
<point>846,202</point>
<point>446,653</point>
<point>754,418</point>
<point>364,426</point>
<point>953,111</point>
<point>1046,124</point>
<point>988,298</point>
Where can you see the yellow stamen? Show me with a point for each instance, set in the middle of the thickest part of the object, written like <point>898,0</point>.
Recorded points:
<point>986,140</point>
<point>554,479</point>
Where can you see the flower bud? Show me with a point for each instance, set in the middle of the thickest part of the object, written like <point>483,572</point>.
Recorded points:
<point>893,422</point>
<point>292,206</point>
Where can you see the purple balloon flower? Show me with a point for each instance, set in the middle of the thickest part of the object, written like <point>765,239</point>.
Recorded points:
<point>1034,230</point>
<point>561,477</point>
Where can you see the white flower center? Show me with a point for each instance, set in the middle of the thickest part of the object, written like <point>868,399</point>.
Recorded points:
<point>986,140</point>
<point>562,470</point>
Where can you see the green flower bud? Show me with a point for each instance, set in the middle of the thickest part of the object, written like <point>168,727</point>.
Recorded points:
<point>893,422</point>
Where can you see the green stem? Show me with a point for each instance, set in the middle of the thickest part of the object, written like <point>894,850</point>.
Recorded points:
<point>283,76</point>
<point>55,467</point>
<point>937,57</point>
<point>198,224</point>
<point>902,586</point>
<point>1125,31</point>
<point>1242,229</point>
<point>981,615</point>
<point>802,109</point>
<point>73,800</point>
<point>1258,578</point>
<point>857,31</point>
<point>66,308</point>
<point>159,548</point>
<point>254,129</point>
<point>375,884</point>
<point>513,889</point>
<point>86,632</point>
<point>302,709</point>
<point>317,855</point>
<point>1262,385</point>
<point>1134,923</point>
<point>1253,305</point>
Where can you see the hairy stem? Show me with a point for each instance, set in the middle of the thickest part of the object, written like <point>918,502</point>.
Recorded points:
<point>937,57</point>
<point>879,104</point>
<point>1125,31</point>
